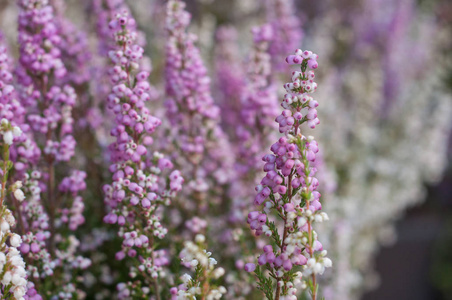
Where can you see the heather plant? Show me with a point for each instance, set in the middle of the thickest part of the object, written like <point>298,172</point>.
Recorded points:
<point>369,78</point>
<point>116,188</point>
<point>249,103</point>
<point>139,189</point>
<point>202,150</point>
<point>199,145</point>
<point>55,207</point>
<point>203,266</point>
<point>198,138</point>
<point>289,190</point>
<point>13,278</point>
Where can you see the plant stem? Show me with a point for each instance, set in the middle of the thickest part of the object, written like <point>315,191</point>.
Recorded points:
<point>205,286</point>
<point>5,175</point>
<point>3,183</point>
<point>314,289</point>
<point>311,252</point>
<point>156,289</point>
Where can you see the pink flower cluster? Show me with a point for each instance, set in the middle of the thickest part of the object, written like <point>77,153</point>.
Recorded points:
<point>139,186</point>
<point>43,154</point>
<point>289,189</point>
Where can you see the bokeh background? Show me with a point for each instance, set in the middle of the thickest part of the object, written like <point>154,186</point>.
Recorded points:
<point>385,94</point>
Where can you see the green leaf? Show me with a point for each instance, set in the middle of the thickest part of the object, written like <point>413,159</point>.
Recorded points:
<point>274,230</point>
<point>264,284</point>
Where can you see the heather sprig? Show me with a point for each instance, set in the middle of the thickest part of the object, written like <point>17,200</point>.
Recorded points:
<point>259,105</point>
<point>203,266</point>
<point>20,154</point>
<point>13,277</point>
<point>48,242</point>
<point>141,186</point>
<point>202,147</point>
<point>75,50</point>
<point>289,195</point>
<point>103,11</point>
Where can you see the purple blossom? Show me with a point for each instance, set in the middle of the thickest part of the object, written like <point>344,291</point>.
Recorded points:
<point>49,112</point>
<point>24,154</point>
<point>258,103</point>
<point>289,187</point>
<point>75,50</point>
<point>40,53</point>
<point>139,188</point>
<point>202,146</point>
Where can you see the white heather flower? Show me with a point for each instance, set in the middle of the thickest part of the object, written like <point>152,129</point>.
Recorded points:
<point>158,155</point>
<point>17,185</point>
<point>15,240</point>
<point>200,238</point>
<point>318,268</point>
<point>17,131</point>
<point>318,218</point>
<point>19,195</point>
<point>311,262</point>
<point>194,263</point>
<point>19,292</point>
<point>301,222</point>
<point>186,278</point>
<point>16,279</point>
<point>6,278</point>
<point>10,218</point>
<point>8,137</point>
<point>212,262</point>
<point>218,272</point>
<point>4,226</point>
<point>327,262</point>
<point>324,216</point>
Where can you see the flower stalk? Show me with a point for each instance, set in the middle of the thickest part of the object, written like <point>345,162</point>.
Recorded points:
<point>289,195</point>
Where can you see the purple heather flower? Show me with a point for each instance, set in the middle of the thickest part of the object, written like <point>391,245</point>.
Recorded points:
<point>202,146</point>
<point>49,107</point>
<point>140,186</point>
<point>250,267</point>
<point>289,186</point>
